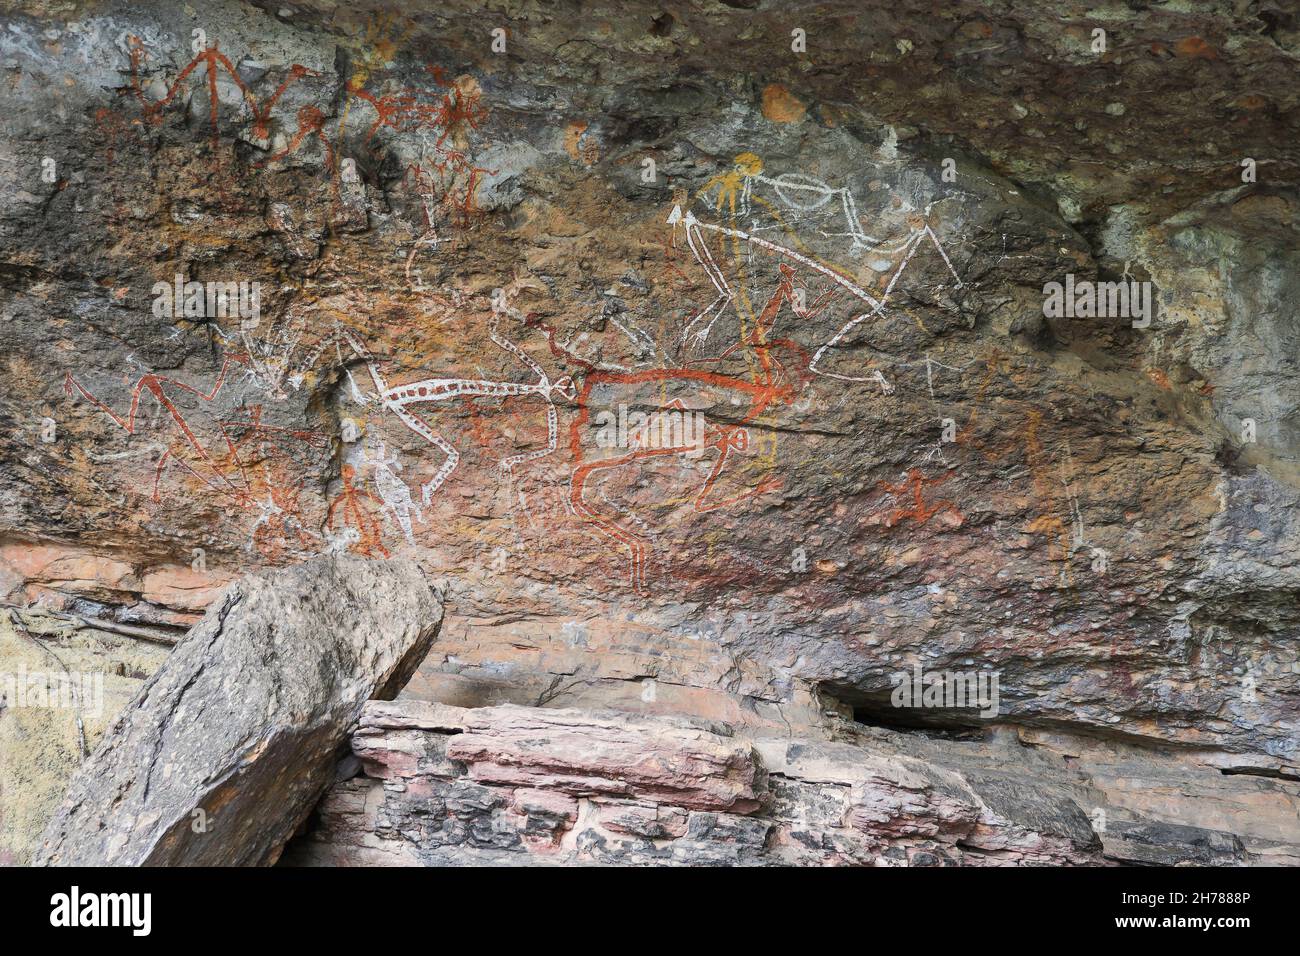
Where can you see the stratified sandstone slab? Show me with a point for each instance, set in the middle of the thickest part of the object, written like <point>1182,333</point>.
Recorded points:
<point>614,755</point>
<point>519,785</point>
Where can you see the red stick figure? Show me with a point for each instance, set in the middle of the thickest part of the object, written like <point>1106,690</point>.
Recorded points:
<point>919,511</point>
<point>157,385</point>
<point>212,59</point>
<point>352,500</point>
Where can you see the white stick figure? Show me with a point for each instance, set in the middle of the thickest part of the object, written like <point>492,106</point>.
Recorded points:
<point>393,491</point>
<point>399,400</point>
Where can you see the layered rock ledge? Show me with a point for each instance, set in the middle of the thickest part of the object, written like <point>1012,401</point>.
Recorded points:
<point>439,785</point>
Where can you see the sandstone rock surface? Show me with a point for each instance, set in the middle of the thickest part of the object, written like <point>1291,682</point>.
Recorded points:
<point>472,260</point>
<point>228,746</point>
<point>442,785</point>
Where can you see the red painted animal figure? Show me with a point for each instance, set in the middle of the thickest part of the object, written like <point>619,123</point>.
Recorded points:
<point>205,467</point>
<point>770,385</point>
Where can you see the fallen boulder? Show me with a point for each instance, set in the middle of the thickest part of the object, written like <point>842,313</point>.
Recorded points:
<point>226,749</point>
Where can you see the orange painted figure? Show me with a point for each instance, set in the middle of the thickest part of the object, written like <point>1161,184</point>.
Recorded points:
<point>455,112</point>
<point>158,386</point>
<point>919,511</point>
<point>352,501</point>
<point>256,479</point>
<point>278,523</point>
